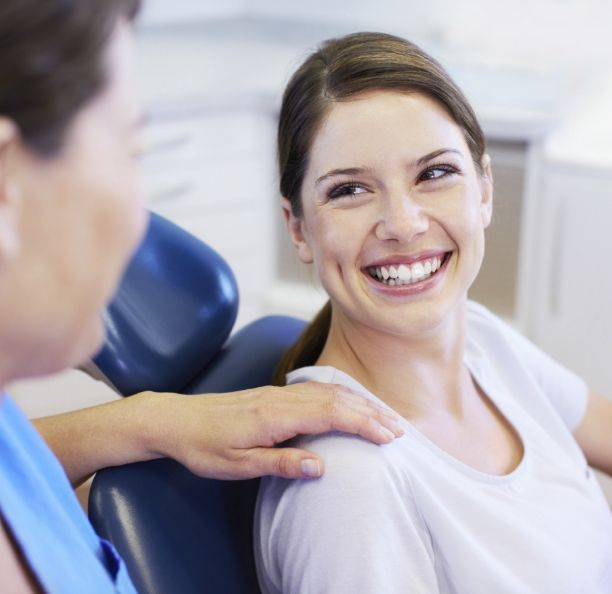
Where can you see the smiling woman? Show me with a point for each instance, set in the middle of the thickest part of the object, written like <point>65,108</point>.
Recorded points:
<point>387,192</point>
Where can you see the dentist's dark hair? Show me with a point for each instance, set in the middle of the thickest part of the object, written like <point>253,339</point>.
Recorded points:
<point>52,63</point>
<point>340,70</point>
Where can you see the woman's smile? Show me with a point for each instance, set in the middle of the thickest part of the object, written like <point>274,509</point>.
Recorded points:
<point>408,271</point>
<point>403,277</point>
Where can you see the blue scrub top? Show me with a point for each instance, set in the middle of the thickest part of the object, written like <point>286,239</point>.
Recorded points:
<point>39,506</point>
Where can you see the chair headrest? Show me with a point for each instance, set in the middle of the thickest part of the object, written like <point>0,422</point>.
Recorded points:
<point>249,358</point>
<point>174,309</point>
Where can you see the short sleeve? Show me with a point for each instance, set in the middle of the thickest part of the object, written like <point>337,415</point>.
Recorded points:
<point>356,529</point>
<point>566,391</point>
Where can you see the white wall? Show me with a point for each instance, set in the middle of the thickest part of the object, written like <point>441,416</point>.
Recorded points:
<point>170,11</point>
<point>574,33</point>
<point>407,17</point>
<point>534,33</point>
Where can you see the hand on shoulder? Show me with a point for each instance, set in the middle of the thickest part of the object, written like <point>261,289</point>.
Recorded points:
<point>233,436</point>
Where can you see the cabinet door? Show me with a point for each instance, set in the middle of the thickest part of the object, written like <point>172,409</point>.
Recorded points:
<point>213,174</point>
<point>572,278</point>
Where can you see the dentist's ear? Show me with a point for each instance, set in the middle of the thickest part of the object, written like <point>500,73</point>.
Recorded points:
<point>486,184</point>
<point>10,202</point>
<point>296,232</point>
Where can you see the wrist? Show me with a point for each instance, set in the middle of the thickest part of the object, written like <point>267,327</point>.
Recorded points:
<point>152,424</point>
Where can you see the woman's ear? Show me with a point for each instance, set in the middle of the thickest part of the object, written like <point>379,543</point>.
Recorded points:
<point>486,184</point>
<point>10,202</point>
<point>295,226</point>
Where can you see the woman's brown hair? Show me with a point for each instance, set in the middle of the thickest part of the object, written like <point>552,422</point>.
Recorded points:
<point>52,62</point>
<point>339,70</point>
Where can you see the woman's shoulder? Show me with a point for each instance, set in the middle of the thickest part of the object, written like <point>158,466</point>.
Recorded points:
<point>364,506</point>
<point>356,473</point>
<point>351,461</point>
<point>301,526</point>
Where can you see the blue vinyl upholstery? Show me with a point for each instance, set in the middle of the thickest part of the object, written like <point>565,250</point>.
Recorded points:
<point>175,307</point>
<point>179,533</point>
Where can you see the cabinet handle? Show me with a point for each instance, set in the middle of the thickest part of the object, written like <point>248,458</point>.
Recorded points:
<point>171,193</point>
<point>554,283</point>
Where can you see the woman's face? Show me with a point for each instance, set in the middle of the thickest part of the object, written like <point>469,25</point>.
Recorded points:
<point>81,217</point>
<point>394,212</point>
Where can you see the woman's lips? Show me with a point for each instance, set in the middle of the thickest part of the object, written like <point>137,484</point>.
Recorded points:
<point>402,274</point>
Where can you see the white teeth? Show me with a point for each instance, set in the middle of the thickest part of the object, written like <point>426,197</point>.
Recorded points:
<point>418,272</point>
<point>405,274</point>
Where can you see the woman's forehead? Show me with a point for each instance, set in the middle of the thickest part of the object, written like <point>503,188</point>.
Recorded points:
<point>378,124</point>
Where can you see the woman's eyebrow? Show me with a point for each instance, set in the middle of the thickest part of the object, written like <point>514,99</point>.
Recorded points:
<point>343,171</point>
<point>429,156</point>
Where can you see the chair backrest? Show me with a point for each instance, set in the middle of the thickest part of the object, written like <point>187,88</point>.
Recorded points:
<point>175,307</point>
<point>182,533</point>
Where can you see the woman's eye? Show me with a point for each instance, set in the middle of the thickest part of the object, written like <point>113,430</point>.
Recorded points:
<point>436,172</point>
<point>350,189</point>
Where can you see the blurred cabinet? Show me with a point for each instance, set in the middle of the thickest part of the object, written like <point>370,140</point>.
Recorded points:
<point>211,172</point>
<point>496,285</point>
<point>571,298</point>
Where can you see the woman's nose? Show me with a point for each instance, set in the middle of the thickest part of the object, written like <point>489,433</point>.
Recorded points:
<point>401,218</point>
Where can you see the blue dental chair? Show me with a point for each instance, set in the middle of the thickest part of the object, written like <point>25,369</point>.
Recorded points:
<point>167,330</point>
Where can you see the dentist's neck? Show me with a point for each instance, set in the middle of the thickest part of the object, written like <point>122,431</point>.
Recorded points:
<point>415,374</point>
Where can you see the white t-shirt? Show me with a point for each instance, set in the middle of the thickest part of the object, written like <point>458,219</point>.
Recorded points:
<point>407,517</point>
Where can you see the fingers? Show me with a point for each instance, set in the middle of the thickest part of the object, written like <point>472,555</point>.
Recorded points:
<point>230,436</point>
<point>366,423</point>
<point>378,418</point>
<point>290,463</point>
<point>336,408</point>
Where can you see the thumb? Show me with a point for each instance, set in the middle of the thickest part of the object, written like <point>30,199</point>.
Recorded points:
<point>287,463</point>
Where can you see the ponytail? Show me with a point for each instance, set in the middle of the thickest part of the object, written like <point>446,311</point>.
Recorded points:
<point>307,348</point>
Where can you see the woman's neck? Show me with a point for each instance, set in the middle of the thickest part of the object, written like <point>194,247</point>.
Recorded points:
<point>416,375</point>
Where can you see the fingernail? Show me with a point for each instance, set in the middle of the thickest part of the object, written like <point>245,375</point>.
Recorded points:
<point>386,434</point>
<point>398,430</point>
<point>311,468</point>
